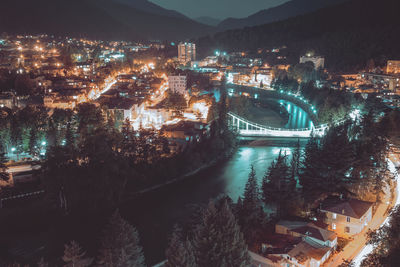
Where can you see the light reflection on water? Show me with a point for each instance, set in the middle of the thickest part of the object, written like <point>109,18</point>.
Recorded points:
<point>171,204</point>
<point>298,117</point>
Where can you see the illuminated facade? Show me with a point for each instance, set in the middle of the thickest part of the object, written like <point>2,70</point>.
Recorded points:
<point>178,83</point>
<point>186,53</point>
<point>319,62</point>
<point>393,67</point>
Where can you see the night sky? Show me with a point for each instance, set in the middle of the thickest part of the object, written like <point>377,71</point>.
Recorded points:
<point>218,8</point>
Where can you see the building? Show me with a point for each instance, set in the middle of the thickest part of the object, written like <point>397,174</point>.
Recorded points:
<point>346,217</point>
<point>186,130</point>
<point>178,83</point>
<point>186,53</point>
<point>297,244</point>
<point>121,109</point>
<point>318,61</point>
<point>307,231</point>
<point>393,67</point>
<point>8,100</point>
<point>382,81</point>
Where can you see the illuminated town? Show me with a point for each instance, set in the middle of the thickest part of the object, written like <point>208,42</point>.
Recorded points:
<point>213,134</point>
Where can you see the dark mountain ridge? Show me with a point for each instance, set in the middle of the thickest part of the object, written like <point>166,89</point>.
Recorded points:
<point>347,35</point>
<point>287,10</point>
<point>103,19</point>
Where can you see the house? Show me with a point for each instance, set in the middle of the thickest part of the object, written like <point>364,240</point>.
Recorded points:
<point>297,244</point>
<point>307,231</point>
<point>186,130</point>
<point>8,99</point>
<point>346,217</point>
<point>122,109</point>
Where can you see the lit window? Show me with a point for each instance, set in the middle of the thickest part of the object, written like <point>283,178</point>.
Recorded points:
<point>333,226</point>
<point>334,216</point>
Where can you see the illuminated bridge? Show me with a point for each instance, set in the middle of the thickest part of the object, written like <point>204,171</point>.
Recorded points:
<point>248,128</point>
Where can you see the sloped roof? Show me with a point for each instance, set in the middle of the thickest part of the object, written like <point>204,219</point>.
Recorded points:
<point>305,249</point>
<point>308,229</point>
<point>292,224</point>
<point>351,207</point>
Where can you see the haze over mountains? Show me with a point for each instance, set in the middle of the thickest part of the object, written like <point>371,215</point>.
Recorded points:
<point>109,19</point>
<point>289,9</point>
<point>208,20</point>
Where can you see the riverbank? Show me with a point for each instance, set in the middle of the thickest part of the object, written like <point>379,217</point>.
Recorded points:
<point>181,177</point>
<point>264,93</point>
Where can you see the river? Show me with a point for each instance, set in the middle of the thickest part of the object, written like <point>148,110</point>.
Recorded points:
<point>155,213</point>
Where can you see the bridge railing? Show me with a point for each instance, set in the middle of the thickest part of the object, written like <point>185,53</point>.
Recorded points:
<point>253,124</point>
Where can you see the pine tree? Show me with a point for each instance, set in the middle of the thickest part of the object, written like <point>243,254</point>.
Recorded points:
<point>4,175</point>
<point>74,256</point>
<point>179,252</point>
<point>311,169</point>
<point>251,214</point>
<point>16,136</point>
<point>295,161</point>
<point>33,141</point>
<point>69,136</point>
<point>51,134</point>
<point>42,263</point>
<point>218,240</point>
<point>120,245</point>
<point>278,186</point>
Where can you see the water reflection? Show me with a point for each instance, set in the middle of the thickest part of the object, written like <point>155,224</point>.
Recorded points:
<point>173,204</point>
<point>298,118</point>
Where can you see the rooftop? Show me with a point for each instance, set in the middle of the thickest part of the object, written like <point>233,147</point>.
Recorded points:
<point>351,207</point>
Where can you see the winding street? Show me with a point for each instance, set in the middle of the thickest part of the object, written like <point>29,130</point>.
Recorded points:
<point>358,249</point>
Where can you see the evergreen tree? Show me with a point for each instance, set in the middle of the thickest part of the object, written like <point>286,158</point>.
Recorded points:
<point>51,134</point>
<point>16,136</point>
<point>278,186</point>
<point>179,252</point>
<point>218,240</point>
<point>120,245</point>
<point>69,136</point>
<point>4,175</point>
<point>251,213</point>
<point>295,161</point>
<point>310,169</point>
<point>328,169</point>
<point>42,263</point>
<point>33,141</point>
<point>74,256</point>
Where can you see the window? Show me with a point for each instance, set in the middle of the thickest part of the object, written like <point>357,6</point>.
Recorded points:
<point>347,229</point>
<point>333,226</point>
<point>333,215</point>
<point>348,219</point>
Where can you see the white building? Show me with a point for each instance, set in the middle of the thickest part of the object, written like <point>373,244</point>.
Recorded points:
<point>319,62</point>
<point>186,52</point>
<point>178,83</point>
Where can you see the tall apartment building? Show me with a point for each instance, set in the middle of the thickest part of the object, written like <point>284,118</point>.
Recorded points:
<point>177,83</point>
<point>393,67</point>
<point>186,52</point>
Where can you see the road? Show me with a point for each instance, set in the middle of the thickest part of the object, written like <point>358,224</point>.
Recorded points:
<point>357,249</point>
<point>22,168</point>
